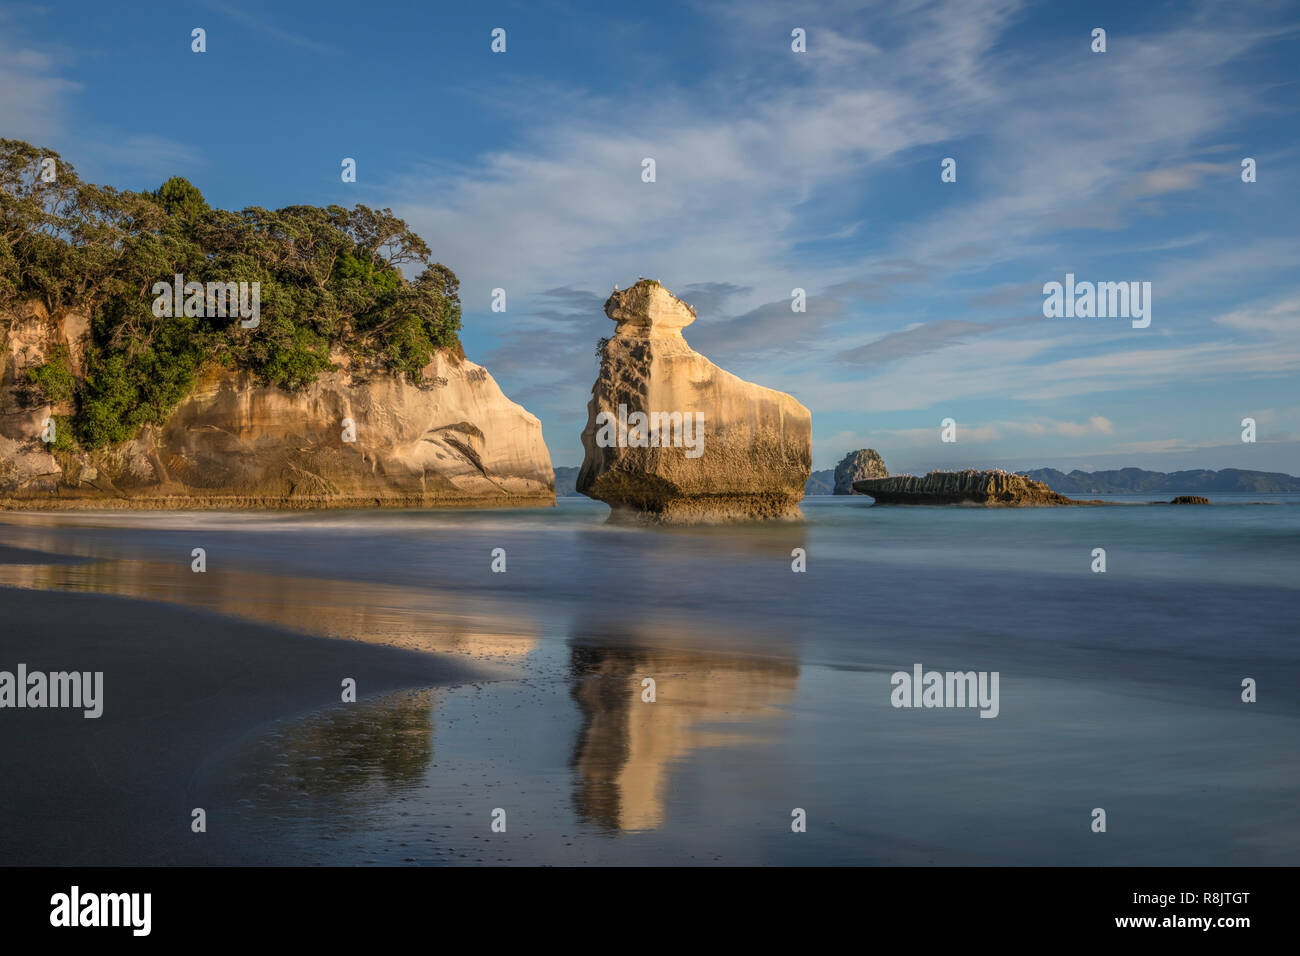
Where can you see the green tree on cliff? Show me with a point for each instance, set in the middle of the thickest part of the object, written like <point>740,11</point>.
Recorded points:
<point>332,281</point>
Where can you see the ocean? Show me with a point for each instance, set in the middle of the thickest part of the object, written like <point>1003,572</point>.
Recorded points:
<point>772,736</point>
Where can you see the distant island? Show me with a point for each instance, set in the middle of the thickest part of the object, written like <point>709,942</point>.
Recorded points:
<point>566,479</point>
<point>1138,481</point>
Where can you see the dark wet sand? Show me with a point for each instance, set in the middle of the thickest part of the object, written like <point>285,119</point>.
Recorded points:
<point>182,690</point>
<point>12,555</point>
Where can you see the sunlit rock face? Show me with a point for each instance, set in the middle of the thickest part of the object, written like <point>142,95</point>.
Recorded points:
<point>451,439</point>
<point>858,466</point>
<point>672,437</point>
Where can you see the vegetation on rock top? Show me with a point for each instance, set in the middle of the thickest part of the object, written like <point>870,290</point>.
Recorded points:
<point>329,278</point>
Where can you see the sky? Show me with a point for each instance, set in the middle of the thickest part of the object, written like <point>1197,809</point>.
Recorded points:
<point>774,170</point>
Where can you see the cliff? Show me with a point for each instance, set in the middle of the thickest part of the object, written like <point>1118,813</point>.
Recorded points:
<point>450,439</point>
<point>672,437</point>
<point>989,488</point>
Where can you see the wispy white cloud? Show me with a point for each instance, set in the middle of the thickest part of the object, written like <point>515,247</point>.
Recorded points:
<point>1045,367</point>
<point>739,173</point>
<point>33,92</point>
<point>1277,317</point>
<point>265,26</point>
<point>149,155</point>
<point>1172,179</point>
<point>995,430</point>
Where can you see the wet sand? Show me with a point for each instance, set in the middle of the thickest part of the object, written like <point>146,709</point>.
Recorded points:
<point>183,689</point>
<point>12,555</point>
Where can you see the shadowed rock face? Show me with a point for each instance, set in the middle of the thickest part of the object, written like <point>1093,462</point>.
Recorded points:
<point>993,488</point>
<point>858,466</point>
<point>452,440</point>
<point>748,456</point>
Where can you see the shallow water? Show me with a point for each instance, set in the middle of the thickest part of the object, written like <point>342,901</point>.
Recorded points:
<point>1119,690</point>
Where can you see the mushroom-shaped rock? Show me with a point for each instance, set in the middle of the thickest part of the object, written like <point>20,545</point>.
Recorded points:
<point>672,437</point>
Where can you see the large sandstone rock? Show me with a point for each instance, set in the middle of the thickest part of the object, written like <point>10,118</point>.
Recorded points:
<point>991,488</point>
<point>452,440</point>
<point>749,455</point>
<point>858,466</point>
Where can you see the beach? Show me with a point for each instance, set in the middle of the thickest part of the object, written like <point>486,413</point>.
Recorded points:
<point>183,688</point>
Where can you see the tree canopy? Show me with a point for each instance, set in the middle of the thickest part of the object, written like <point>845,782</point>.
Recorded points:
<point>329,277</point>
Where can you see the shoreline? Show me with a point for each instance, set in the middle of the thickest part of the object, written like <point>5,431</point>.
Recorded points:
<point>183,690</point>
<point>263,503</point>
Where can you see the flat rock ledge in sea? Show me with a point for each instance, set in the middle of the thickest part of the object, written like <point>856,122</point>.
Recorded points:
<point>744,452</point>
<point>988,488</point>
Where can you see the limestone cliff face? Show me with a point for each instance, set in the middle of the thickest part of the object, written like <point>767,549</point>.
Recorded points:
<point>991,488</point>
<point>742,451</point>
<point>454,439</point>
<point>29,338</point>
<point>858,466</point>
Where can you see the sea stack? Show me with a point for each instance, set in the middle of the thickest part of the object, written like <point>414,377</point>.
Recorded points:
<point>671,437</point>
<point>858,466</point>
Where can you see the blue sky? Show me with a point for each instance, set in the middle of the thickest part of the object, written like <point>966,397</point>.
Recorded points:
<point>775,170</point>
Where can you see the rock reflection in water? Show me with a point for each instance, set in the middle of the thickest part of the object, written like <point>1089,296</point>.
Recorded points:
<point>626,749</point>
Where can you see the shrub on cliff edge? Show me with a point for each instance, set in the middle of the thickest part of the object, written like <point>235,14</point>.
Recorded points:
<point>329,278</point>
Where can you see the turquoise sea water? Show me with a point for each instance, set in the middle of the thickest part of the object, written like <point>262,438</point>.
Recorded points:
<point>1118,690</point>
